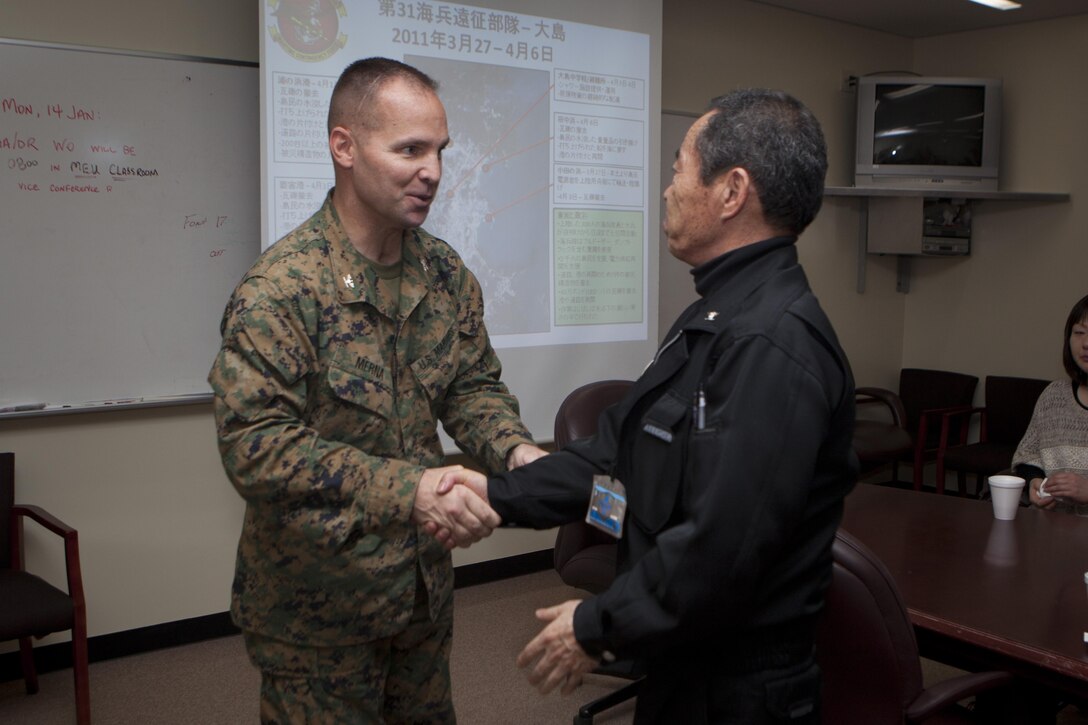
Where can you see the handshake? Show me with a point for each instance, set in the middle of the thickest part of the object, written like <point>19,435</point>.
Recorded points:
<point>456,515</point>
<point>451,503</point>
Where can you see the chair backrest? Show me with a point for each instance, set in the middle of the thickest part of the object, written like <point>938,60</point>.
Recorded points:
<point>577,418</point>
<point>7,500</point>
<point>922,389</point>
<point>1009,404</point>
<point>577,415</point>
<point>865,643</point>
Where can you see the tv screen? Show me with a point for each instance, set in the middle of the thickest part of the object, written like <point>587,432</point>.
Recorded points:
<point>917,132</point>
<point>928,124</point>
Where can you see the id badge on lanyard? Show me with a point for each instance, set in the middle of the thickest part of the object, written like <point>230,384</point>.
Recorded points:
<point>607,505</point>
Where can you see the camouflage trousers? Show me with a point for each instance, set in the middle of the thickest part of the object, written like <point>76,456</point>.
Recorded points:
<point>402,680</point>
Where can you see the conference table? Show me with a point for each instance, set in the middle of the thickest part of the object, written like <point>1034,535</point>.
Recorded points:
<point>982,593</point>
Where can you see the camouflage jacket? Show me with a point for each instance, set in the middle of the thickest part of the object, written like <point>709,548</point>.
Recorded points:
<point>326,410</point>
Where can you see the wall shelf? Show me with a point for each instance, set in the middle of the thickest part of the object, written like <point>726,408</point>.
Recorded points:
<point>948,193</point>
<point>903,260</point>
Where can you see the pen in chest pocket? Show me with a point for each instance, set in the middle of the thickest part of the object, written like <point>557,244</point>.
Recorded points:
<point>700,409</point>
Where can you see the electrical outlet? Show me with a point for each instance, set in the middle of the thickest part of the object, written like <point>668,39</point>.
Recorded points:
<point>848,81</point>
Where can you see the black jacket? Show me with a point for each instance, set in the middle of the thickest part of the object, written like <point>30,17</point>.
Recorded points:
<point>728,533</point>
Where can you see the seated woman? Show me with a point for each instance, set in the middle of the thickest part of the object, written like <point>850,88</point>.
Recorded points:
<point>1053,455</point>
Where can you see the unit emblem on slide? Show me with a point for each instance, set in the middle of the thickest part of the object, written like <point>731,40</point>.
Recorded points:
<point>309,30</point>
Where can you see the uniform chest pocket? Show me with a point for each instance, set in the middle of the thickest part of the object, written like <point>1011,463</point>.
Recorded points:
<point>657,462</point>
<point>363,385</point>
<point>437,367</point>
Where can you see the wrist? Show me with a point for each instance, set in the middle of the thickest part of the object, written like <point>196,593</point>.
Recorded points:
<point>509,458</point>
<point>514,457</point>
<point>591,640</point>
<point>597,652</point>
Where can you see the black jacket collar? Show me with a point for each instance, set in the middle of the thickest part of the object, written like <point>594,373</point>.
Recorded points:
<point>756,261</point>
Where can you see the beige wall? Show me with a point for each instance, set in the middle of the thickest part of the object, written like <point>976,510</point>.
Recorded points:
<point>711,47</point>
<point>204,28</point>
<point>1001,311</point>
<point>158,521</point>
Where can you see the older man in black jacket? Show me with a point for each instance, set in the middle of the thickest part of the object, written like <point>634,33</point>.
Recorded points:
<point>732,451</point>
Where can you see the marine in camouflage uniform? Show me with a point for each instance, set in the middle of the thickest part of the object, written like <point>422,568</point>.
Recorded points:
<point>327,397</point>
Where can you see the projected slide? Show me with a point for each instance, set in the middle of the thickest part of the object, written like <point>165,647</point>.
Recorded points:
<point>544,189</point>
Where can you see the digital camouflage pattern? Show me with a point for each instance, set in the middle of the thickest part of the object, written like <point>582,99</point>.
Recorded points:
<point>397,681</point>
<point>326,402</point>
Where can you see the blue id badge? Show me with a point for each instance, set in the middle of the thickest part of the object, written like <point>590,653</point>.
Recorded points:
<point>607,505</point>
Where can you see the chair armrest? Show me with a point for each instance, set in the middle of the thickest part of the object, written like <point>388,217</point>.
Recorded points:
<point>958,411</point>
<point>58,527</point>
<point>888,398</point>
<point>950,411</point>
<point>44,518</point>
<point>932,413</point>
<point>950,414</point>
<point>943,694</point>
<point>572,538</point>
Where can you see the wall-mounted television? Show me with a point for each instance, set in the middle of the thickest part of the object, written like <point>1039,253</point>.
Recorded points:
<point>917,132</point>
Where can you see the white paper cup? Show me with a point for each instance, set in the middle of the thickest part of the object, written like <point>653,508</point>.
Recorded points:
<point>1005,496</point>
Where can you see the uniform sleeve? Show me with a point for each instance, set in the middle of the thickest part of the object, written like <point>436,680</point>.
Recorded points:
<point>555,489</point>
<point>270,453</point>
<point>479,412</point>
<point>748,503</point>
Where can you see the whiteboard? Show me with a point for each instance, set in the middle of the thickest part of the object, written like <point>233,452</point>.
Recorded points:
<point>129,209</point>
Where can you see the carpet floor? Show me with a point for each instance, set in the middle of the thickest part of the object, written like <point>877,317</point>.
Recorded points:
<point>212,682</point>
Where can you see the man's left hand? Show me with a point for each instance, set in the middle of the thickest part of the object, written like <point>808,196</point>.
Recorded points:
<point>555,657</point>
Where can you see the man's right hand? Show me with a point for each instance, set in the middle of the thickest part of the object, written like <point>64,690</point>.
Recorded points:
<point>457,516</point>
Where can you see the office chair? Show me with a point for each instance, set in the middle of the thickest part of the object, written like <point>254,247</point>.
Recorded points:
<point>866,647</point>
<point>1003,420</point>
<point>29,606</point>
<point>879,442</point>
<point>585,557</point>
<point>913,434</point>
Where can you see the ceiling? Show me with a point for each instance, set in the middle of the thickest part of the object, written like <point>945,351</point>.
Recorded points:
<point>926,18</point>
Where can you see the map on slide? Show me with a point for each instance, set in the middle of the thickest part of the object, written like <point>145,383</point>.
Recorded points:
<point>493,202</point>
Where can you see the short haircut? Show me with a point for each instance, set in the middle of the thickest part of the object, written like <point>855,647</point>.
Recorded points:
<point>778,141</point>
<point>1076,315</point>
<point>351,97</point>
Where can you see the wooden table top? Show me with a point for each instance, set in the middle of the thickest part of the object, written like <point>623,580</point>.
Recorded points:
<point>1008,594</point>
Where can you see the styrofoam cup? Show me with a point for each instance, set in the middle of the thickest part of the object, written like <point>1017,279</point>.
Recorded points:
<point>1005,496</point>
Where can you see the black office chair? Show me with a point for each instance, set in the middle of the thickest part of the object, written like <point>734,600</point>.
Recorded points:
<point>1009,404</point>
<point>585,557</point>
<point>866,648</point>
<point>31,607</point>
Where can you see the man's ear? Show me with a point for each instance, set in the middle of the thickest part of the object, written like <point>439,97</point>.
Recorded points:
<point>342,147</point>
<point>732,189</point>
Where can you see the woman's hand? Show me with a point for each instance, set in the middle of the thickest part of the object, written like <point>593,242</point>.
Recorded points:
<point>1067,486</point>
<point>1037,496</point>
